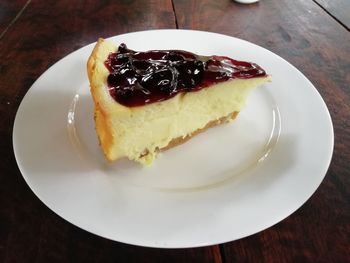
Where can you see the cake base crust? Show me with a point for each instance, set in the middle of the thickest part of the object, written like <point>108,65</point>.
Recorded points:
<point>181,140</point>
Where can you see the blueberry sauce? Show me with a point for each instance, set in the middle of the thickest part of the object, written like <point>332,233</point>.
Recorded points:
<point>139,78</point>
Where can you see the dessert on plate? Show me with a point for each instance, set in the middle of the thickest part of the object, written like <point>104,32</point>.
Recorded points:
<point>149,101</point>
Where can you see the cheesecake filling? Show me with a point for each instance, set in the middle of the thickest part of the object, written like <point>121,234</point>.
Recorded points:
<point>140,78</point>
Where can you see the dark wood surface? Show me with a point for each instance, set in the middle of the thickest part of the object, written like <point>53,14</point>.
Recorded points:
<point>35,34</point>
<point>9,12</point>
<point>339,9</point>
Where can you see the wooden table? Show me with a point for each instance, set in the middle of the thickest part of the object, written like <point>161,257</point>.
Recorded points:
<point>312,35</point>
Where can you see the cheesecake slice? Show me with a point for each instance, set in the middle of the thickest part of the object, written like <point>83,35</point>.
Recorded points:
<point>149,101</point>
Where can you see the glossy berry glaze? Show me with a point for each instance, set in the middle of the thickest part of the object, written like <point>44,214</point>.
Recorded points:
<point>139,78</point>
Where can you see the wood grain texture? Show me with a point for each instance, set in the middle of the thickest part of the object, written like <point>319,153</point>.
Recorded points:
<point>9,12</point>
<point>339,9</point>
<point>308,37</point>
<point>299,31</point>
<point>44,33</point>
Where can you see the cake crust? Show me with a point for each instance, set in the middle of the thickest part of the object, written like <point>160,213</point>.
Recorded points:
<point>100,116</point>
<point>211,124</point>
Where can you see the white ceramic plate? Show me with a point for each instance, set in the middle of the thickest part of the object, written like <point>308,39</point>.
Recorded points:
<point>230,182</point>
